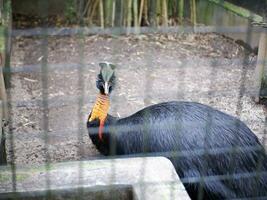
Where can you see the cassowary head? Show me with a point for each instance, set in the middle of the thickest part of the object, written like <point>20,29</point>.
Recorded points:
<point>106,78</point>
<point>105,83</point>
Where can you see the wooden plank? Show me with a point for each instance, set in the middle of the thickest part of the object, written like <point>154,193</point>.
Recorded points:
<point>260,81</point>
<point>260,75</point>
<point>238,10</point>
<point>7,26</point>
<point>3,95</point>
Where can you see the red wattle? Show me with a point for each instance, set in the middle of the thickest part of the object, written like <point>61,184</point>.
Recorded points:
<point>100,130</point>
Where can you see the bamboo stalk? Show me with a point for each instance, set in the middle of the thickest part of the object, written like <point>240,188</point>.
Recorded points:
<point>141,12</point>
<point>135,12</point>
<point>93,9</point>
<point>164,13</point>
<point>170,7</point>
<point>119,16</point>
<point>88,12</point>
<point>86,9</point>
<point>152,12</point>
<point>193,11</point>
<point>129,15</point>
<point>101,11</point>
<point>158,11</point>
<point>113,13</point>
<point>125,11</point>
<point>180,10</point>
<point>146,11</point>
<point>108,11</point>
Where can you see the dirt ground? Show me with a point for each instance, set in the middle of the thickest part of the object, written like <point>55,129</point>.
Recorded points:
<point>51,102</point>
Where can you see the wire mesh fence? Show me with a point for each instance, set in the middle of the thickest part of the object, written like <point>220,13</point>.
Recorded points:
<point>163,51</point>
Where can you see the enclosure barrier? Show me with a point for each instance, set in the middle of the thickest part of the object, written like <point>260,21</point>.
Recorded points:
<point>260,85</point>
<point>5,50</point>
<point>3,98</point>
<point>96,180</point>
<point>261,68</point>
<point>137,178</point>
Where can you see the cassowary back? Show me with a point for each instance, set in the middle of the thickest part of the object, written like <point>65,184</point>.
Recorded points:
<point>209,149</point>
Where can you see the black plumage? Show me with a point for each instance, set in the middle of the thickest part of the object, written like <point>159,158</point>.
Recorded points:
<point>216,155</point>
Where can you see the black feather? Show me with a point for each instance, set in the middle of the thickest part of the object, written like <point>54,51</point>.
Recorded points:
<point>199,140</point>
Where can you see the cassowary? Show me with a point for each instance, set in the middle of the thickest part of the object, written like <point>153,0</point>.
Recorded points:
<point>216,155</point>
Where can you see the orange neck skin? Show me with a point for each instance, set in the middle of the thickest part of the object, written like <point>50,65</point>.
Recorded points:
<point>100,111</point>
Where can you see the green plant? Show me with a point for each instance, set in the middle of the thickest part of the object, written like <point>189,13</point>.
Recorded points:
<point>71,10</point>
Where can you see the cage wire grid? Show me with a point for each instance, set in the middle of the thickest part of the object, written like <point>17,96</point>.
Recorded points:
<point>81,32</point>
<point>81,100</point>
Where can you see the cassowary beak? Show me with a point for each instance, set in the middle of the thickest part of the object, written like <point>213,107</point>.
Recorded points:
<point>106,88</point>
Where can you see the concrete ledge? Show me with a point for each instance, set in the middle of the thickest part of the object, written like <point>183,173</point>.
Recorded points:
<point>130,178</point>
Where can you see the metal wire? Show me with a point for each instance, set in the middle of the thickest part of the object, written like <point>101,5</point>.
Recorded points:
<point>45,94</point>
<point>81,83</point>
<point>46,103</point>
